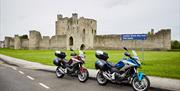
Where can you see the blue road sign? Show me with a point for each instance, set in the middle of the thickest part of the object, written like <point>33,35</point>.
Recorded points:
<point>134,36</point>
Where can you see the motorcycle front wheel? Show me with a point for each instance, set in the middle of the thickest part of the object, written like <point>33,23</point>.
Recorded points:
<point>83,76</point>
<point>142,85</point>
<point>59,74</point>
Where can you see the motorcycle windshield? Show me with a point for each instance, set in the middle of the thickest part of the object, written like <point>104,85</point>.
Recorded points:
<point>81,54</point>
<point>134,53</point>
<point>136,57</point>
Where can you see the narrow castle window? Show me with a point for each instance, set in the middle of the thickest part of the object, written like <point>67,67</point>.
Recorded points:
<point>68,27</point>
<point>71,41</point>
<point>83,31</point>
<point>83,37</point>
<point>92,31</point>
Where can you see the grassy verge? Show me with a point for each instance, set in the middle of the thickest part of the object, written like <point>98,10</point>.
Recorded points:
<point>156,63</point>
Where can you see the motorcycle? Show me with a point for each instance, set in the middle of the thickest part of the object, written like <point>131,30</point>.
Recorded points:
<point>72,67</point>
<point>124,71</point>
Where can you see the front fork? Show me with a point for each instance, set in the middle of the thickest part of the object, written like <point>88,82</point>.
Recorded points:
<point>136,74</point>
<point>81,68</point>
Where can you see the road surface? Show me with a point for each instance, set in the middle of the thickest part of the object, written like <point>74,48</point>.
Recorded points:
<point>14,78</point>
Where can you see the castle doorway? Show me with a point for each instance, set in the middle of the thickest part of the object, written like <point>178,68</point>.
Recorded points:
<point>71,41</point>
<point>82,47</point>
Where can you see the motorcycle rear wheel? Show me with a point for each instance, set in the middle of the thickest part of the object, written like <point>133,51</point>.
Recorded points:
<point>101,79</point>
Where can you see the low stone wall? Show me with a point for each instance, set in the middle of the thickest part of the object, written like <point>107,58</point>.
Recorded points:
<point>45,43</point>
<point>159,41</point>
<point>25,43</point>
<point>9,42</point>
<point>107,42</point>
<point>58,42</point>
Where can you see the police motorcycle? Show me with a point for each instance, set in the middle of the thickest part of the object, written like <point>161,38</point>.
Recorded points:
<point>126,70</point>
<point>73,67</point>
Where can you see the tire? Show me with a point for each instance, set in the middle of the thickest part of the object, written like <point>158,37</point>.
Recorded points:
<point>101,79</point>
<point>58,73</point>
<point>83,77</point>
<point>136,83</point>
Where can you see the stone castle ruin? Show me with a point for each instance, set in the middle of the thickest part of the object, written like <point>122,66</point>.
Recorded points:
<point>80,33</point>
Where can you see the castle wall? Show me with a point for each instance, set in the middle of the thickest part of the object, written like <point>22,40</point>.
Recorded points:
<point>81,30</point>
<point>45,42</point>
<point>17,42</point>
<point>58,42</point>
<point>88,31</point>
<point>7,42</point>
<point>25,43</point>
<point>2,45</point>
<point>107,42</point>
<point>159,41</point>
<point>11,43</point>
<point>61,26</point>
<point>34,39</point>
<point>80,33</point>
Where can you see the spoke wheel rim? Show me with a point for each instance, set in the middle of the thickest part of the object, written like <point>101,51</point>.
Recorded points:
<point>140,85</point>
<point>82,76</point>
<point>58,73</point>
<point>101,78</point>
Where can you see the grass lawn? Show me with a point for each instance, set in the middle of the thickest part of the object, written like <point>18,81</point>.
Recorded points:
<point>156,63</point>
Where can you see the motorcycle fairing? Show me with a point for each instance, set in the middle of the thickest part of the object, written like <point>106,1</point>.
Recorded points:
<point>140,76</point>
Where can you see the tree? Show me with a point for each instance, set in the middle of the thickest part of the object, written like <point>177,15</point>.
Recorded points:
<point>175,44</point>
<point>149,34</point>
<point>24,37</point>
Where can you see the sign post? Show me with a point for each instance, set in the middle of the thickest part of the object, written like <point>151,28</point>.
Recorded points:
<point>136,37</point>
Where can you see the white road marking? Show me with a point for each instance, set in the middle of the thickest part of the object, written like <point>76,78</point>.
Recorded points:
<point>21,72</point>
<point>30,77</point>
<point>14,68</point>
<point>44,85</point>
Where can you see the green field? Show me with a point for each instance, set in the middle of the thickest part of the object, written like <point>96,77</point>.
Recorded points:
<point>156,63</point>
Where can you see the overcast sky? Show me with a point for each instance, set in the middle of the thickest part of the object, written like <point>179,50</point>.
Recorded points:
<point>113,16</point>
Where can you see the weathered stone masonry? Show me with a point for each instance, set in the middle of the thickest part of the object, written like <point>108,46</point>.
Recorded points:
<point>80,33</point>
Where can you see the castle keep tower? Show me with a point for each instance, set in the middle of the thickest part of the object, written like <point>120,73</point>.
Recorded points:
<point>79,32</point>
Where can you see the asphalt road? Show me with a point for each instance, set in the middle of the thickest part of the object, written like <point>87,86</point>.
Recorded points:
<point>14,78</point>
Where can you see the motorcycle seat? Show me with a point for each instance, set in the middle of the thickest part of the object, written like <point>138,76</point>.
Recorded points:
<point>111,64</point>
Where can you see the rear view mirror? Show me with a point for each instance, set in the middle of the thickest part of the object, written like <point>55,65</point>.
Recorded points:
<point>127,54</point>
<point>125,48</point>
